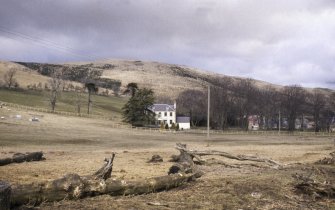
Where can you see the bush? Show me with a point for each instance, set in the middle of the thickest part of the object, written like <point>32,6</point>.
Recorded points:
<point>166,126</point>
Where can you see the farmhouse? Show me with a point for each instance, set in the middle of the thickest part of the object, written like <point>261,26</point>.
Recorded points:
<point>167,114</point>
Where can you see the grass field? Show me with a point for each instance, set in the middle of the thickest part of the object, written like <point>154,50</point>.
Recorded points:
<point>79,145</point>
<point>102,105</point>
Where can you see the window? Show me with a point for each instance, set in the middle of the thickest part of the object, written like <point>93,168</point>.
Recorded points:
<point>171,114</point>
<point>170,121</point>
<point>165,114</point>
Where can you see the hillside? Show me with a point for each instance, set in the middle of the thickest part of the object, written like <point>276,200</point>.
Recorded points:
<point>167,80</point>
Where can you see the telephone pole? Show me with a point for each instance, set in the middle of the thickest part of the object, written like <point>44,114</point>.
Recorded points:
<point>208,109</point>
<point>279,123</point>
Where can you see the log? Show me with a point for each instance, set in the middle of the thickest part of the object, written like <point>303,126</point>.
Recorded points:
<point>197,155</point>
<point>5,194</point>
<point>187,154</point>
<point>73,186</point>
<point>20,157</point>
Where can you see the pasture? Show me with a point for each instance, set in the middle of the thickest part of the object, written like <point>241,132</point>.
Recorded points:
<point>79,145</point>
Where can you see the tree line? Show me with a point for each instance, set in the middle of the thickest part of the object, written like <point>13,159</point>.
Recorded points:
<point>234,100</point>
<point>56,84</point>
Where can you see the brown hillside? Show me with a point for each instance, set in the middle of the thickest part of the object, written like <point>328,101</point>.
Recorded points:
<point>166,80</point>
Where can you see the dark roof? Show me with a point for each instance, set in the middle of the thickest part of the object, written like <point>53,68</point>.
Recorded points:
<point>162,108</point>
<point>183,119</point>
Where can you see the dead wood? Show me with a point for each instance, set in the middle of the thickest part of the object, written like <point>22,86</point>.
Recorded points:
<point>155,159</point>
<point>327,160</point>
<point>20,157</point>
<point>105,171</point>
<point>73,186</point>
<point>187,153</point>
<point>314,188</point>
<point>5,193</point>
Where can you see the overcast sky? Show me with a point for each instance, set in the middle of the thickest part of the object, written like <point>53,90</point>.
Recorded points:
<point>283,42</point>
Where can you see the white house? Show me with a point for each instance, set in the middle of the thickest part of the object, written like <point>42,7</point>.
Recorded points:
<point>166,114</point>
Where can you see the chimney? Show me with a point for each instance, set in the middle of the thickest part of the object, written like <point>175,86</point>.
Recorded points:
<point>175,105</point>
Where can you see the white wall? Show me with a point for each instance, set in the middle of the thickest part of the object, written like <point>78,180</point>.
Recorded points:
<point>168,118</point>
<point>184,126</point>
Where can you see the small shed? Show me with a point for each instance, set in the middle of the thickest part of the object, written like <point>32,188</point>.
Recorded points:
<point>184,123</point>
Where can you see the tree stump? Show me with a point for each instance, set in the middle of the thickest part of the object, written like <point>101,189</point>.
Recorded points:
<point>5,193</point>
<point>155,159</point>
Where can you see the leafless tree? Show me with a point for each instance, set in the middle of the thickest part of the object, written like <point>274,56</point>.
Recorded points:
<point>221,102</point>
<point>245,100</point>
<point>293,99</point>
<point>267,106</point>
<point>317,100</point>
<point>55,84</point>
<point>193,104</point>
<point>9,78</point>
<point>91,88</point>
<point>79,99</point>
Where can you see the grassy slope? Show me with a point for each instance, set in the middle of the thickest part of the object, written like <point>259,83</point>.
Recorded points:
<point>102,105</point>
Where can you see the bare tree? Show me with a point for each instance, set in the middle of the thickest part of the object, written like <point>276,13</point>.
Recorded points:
<point>293,99</point>
<point>193,104</point>
<point>267,106</point>
<point>245,100</point>
<point>317,101</point>
<point>91,88</point>
<point>9,78</point>
<point>221,102</point>
<point>55,84</point>
<point>78,99</point>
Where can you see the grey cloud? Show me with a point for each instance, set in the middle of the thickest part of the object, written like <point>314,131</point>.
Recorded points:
<point>284,42</point>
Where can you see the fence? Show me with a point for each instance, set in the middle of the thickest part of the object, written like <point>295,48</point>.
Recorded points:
<point>115,124</point>
<point>233,132</point>
<point>38,109</point>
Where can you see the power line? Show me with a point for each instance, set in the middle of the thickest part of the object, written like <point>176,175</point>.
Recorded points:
<point>17,36</point>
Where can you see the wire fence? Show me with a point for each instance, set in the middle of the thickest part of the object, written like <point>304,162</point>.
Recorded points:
<point>116,123</point>
<point>233,132</point>
<point>38,109</point>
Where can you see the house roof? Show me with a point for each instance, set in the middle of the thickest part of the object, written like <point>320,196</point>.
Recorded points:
<point>162,108</point>
<point>183,119</point>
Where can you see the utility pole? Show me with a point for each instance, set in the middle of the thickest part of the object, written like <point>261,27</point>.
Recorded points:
<point>279,123</point>
<point>208,109</point>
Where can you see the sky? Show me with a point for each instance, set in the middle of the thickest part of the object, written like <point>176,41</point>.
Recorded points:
<point>283,42</point>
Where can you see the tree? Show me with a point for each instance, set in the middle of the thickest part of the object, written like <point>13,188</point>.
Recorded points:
<point>221,103</point>
<point>293,99</point>
<point>318,102</point>
<point>245,100</point>
<point>193,103</point>
<point>131,88</point>
<point>91,88</point>
<point>78,99</point>
<point>9,78</point>
<point>55,84</point>
<point>137,110</point>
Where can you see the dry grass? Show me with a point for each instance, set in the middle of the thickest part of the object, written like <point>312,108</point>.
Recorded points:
<point>79,145</point>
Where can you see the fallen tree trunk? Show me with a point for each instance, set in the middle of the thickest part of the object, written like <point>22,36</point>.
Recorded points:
<point>20,157</point>
<point>73,186</point>
<point>184,152</point>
